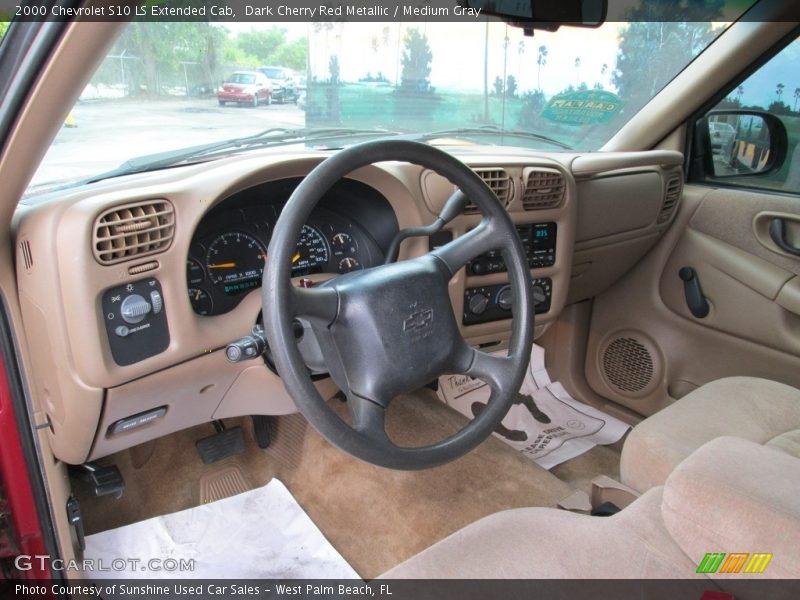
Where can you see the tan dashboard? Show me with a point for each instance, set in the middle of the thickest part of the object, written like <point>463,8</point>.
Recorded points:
<point>588,219</point>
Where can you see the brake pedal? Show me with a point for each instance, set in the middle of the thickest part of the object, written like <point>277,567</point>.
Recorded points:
<point>106,481</point>
<point>221,445</point>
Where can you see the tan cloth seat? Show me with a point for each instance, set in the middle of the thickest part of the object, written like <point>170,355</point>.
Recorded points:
<point>732,495</point>
<point>759,410</point>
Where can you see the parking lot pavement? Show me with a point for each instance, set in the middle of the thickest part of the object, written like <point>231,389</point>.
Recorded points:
<point>109,132</point>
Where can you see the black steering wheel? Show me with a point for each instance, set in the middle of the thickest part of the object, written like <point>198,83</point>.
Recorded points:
<point>391,329</point>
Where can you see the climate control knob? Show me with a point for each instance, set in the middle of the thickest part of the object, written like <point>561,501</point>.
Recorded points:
<point>539,295</point>
<point>478,304</point>
<point>134,309</point>
<point>505,298</point>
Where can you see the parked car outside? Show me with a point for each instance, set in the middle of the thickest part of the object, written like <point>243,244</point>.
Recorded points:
<point>245,87</point>
<point>283,83</point>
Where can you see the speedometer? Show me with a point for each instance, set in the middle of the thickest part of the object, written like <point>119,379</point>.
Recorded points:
<point>311,254</point>
<point>235,261</point>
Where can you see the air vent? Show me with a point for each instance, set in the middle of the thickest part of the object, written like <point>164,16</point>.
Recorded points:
<point>498,181</point>
<point>133,230</point>
<point>27,257</point>
<point>671,198</point>
<point>544,188</point>
<point>628,365</point>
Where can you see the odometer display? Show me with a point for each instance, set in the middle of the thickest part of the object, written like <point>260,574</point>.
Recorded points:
<point>235,262</point>
<point>311,254</point>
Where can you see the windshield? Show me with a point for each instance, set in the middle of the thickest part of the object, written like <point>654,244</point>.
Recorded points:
<point>245,78</point>
<point>160,87</point>
<point>274,73</point>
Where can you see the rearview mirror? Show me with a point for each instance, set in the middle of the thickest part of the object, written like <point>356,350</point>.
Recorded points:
<point>742,142</point>
<point>544,14</point>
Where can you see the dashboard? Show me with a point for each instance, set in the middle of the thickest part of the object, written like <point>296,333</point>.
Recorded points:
<point>164,269</point>
<point>349,230</point>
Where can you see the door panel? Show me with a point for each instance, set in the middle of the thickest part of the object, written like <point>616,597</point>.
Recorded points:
<point>643,325</point>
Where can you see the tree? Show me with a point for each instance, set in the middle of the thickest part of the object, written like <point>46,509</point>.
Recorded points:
<point>416,60</point>
<point>779,91</point>
<point>511,86</point>
<point>577,70</point>
<point>541,61</point>
<point>779,108</point>
<point>654,47</point>
<point>796,97</point>
<point>533,104</point>
<point>498,86</point>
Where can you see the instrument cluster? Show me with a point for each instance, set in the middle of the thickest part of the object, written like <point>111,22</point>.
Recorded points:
<point>229,252</point>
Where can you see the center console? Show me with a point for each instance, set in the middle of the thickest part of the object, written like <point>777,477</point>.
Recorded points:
<point>494,302</point>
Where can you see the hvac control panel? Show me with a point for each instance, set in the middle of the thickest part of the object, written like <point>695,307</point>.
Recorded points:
<point>136,323</point>
<point>494,302</point>
<point>539,241</point>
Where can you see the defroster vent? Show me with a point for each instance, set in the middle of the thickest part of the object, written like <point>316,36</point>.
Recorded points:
<point>133,230</point>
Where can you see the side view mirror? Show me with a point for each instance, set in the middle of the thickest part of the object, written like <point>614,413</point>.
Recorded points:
<point>734,143</point>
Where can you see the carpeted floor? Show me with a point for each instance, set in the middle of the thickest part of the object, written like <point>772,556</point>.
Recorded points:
<point>375,517</point>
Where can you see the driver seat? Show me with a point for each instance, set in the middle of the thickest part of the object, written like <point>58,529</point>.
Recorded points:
<point>731,495</point>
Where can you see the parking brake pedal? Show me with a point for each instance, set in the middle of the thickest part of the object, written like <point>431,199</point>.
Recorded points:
<point>221,445</point>
<point>106,481</point>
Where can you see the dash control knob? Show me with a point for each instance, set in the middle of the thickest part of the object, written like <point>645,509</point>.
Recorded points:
<point>505,298</point>
<point>539,295</point>
<point>134,309</point>
<point>478,303</point>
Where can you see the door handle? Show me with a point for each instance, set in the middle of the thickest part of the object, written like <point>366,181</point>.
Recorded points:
<point>695,299</point>
<point>777,231</point>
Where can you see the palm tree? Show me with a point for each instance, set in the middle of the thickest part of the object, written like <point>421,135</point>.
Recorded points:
<point>520,52</point>
<point>577,71</point>
<point>541,61</point>
<point>740,93</point>
<point>796,97</point>
<point>779,91</point>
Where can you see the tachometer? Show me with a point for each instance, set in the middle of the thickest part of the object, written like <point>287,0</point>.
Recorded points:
<point>235,261</point>
<point>311,255</point>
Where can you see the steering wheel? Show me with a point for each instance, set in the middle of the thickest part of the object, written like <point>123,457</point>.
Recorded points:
<point>390,329</point>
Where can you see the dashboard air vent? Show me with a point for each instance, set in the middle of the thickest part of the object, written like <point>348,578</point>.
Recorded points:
<point>133,230</point>
<point>544,188</point>
<point>671,198</point>
<point>498,181</point>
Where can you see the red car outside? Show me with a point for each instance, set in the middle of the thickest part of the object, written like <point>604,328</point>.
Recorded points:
<point>245,87</point>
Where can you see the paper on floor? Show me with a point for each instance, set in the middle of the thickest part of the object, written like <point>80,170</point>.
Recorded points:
<point>263,533</point>
<point>545,423</point>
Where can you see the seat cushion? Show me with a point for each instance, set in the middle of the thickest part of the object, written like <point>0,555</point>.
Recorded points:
<point>736,496</point>
<point>755,409</point>
<point>546,543</point>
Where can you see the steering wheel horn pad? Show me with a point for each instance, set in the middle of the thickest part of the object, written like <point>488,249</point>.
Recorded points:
<point>391,329</point>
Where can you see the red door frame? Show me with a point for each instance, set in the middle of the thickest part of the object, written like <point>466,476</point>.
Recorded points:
<point>18,489</point>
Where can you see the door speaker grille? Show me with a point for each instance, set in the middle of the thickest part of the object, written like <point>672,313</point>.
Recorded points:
<point>628,365</point>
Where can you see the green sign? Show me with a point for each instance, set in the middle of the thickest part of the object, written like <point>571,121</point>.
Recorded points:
<point>590,107</point>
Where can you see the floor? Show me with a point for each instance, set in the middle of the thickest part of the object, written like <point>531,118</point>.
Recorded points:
<point>375,517</point>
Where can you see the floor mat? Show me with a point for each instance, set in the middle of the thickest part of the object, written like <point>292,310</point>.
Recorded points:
<point>545,423</point>
<point>263,533</point>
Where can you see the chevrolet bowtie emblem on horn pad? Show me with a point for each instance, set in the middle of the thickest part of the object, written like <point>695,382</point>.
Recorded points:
<point>418,320</point>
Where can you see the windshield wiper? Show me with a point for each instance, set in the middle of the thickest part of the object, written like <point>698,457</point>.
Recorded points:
<point>269,137</point>
<point>494,131</point>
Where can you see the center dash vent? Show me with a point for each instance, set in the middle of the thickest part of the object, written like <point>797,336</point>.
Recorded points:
<point>133,230</point>
<point>498,181</point>
<point>671,198</point>
<point>544,188</point>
